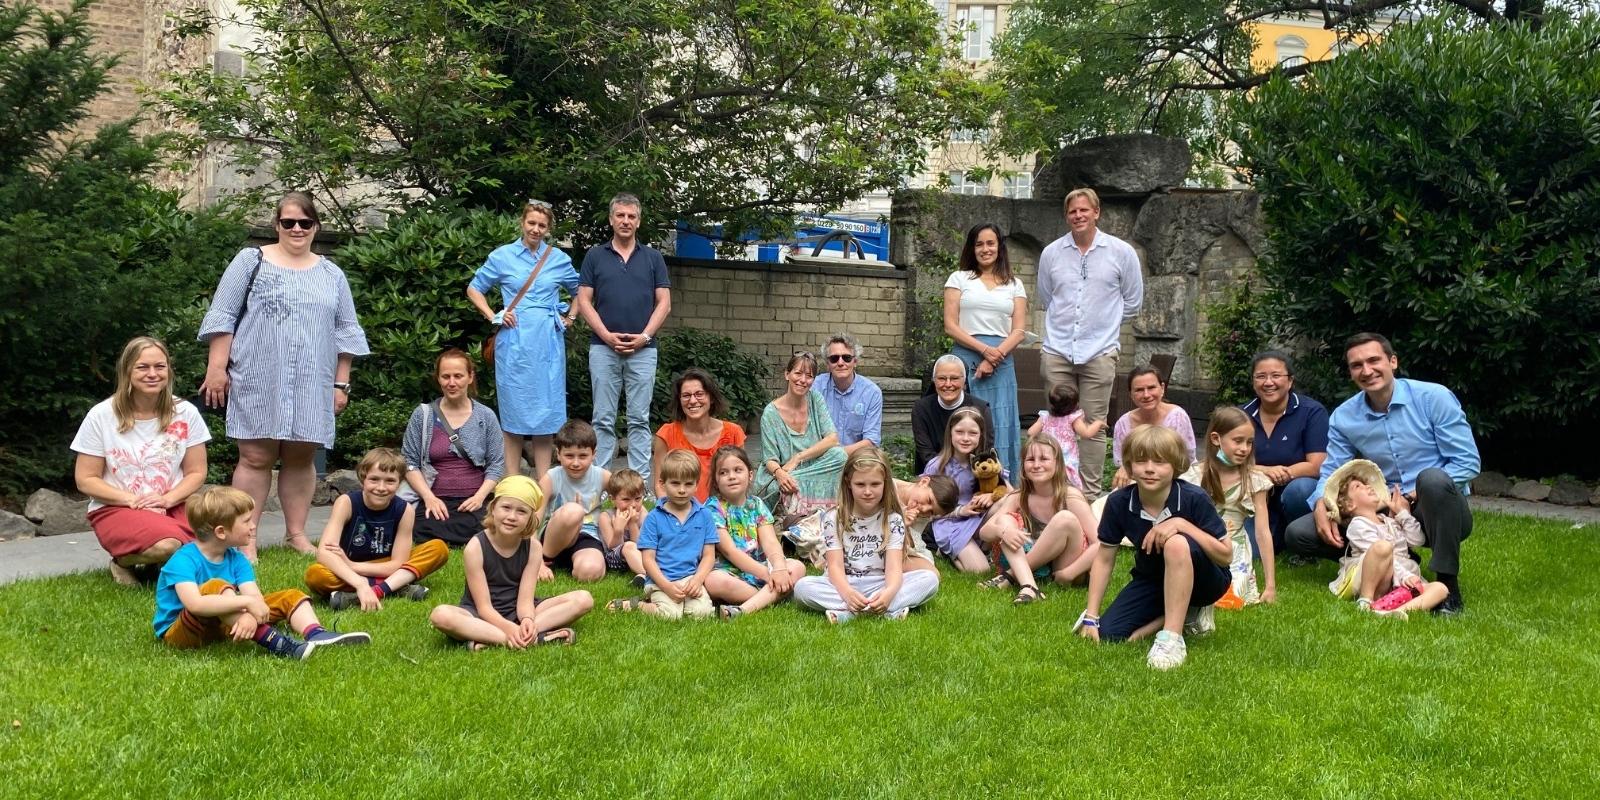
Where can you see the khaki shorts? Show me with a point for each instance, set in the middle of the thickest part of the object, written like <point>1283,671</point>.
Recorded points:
<point>667,608</point>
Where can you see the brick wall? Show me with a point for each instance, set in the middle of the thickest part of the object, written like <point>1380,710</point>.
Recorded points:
<point>118,27</point>
<point>778,309</point>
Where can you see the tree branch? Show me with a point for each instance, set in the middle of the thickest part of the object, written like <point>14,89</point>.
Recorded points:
<point>1251,81</point>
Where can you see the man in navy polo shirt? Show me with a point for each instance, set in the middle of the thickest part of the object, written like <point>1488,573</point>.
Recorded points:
<point>624,295</point>
<point>854,403</point>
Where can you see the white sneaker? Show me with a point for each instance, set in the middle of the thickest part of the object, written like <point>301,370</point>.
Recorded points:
<point>898,615</point>
<point>1168,652</point>
<point>1363,604</point>
<point>838,617</point>
<point>1200,621</point>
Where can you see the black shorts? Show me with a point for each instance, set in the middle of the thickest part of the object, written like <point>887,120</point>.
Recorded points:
<point>563,559</point>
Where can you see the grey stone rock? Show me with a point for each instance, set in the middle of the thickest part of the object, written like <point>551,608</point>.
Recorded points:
<point>1569,492</point>
<point>1120,164</point>
<point>1177,231</point>
<point>344,480</point>
<point>56,513</point>
<point>1167,310</point>
<point>1491,484</point>
<point>15,526</point>
<point>1594,498</point>
<point>1533,491</point>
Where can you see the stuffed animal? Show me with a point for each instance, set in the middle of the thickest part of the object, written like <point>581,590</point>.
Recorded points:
<point>986,468</point>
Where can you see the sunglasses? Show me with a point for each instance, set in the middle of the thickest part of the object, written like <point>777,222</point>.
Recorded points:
<point>841,358</point>
<point>290,224</point>
<point>539,204</point>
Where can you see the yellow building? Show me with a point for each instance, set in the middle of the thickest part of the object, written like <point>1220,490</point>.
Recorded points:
<point>1295,40</point>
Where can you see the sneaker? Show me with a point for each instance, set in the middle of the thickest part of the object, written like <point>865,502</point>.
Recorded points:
<point>326,637</point>
<point>838,617</point>
<point>1200,621</point>
<point>1168,652</point>
<point>1451,607</point>
<point>339,601</point>
<point>411,591</point>
<point>1301,560</point>
<point>898,615</point>
<point>283,645</point>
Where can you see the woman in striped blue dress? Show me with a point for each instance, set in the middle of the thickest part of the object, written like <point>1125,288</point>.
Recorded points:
<point>282,330</point>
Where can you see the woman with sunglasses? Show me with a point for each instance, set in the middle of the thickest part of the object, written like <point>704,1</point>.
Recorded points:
<point>801,456</point>
<point>283,332</point>
<point>985,309</point>
<point>530,353</point>
<point>696,426</point>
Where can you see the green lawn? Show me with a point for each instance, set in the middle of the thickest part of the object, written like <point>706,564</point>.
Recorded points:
<point>969,697</point>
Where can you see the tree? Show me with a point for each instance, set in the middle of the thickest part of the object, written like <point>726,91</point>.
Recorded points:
<point>91,254</point>
<point>1070,69</point>
<point>714,111</point>
<point>1443,188</point>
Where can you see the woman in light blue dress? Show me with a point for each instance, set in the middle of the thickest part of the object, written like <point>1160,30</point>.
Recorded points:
<point>530,355</point>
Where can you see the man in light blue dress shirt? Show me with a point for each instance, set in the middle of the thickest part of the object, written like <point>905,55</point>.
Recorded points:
<point>1089,282</point>
<point>855,404</point>
<point>1418,435</point>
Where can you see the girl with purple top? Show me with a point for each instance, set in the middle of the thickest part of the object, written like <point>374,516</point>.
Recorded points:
<point>454,455</point>
<point>1149,391</point>
<point>956,534</point>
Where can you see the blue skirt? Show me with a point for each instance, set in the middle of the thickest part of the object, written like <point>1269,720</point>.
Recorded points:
<point>999,389</point>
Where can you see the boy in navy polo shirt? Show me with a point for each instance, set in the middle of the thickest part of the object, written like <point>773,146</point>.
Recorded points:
<point>1181,554</point>
<point>679,542</point>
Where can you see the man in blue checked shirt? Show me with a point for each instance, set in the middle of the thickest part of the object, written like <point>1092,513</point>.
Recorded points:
<point>855,404</point>
<point>1418,435</point>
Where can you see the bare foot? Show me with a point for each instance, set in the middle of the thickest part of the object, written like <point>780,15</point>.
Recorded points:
<point>123,575</point>
<point>300,543</point>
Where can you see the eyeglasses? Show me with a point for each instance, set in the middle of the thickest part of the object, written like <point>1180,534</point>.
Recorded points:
<point>692,396</point>
<point>841,358</point>
<point>290,224</point>
<point>1270,376</point>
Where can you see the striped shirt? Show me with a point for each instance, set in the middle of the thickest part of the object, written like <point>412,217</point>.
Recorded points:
<point>284,352</point>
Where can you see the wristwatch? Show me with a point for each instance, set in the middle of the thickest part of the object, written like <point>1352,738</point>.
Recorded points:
<point>343,387</point>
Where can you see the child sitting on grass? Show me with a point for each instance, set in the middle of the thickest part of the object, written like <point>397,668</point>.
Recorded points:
<point>679,542</point>
<point>572,536</point>
<point>207,591</point>
<point>1227,473</point>
<point>500,606</point>
<point>619,525</point>
<point>865,537</point>
<point>751,572</point>
<point>1181,555</point>
<point>1378,550</point>
<point>1042,530</point>
<point>365,552</point>
<point>1065,422</point>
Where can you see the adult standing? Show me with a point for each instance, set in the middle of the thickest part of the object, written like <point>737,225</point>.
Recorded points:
<point>283,333</point>
<point>1417,433</point>
<point>1089,282</point>
<point>855,403</point>
<point>141,454</point>
<point>801,457</point>
<point>697,426</point>
<point>454,455</point>
<point>1148,387</point>
<point>932,411</point>
<point>530,353</point>
<point>624,295</point>
<point>985,310</point>
<point>1291,440</point>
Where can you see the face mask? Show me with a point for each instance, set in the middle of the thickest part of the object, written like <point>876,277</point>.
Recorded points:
<point>1223,457</point>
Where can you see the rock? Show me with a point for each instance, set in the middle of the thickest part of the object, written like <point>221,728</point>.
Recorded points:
<point>1569,492</point>
<point>1530,490</point>
<point>56,513</point>
<point>1176,232</point>
<point>15,526</point>
<point>344,480</point>
<point>1166,312</point>
<point>1594,499</point>
<point>1491,484</point>
<point>1120,164</point>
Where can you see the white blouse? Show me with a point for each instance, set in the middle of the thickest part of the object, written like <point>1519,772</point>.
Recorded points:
<point>985,311</point>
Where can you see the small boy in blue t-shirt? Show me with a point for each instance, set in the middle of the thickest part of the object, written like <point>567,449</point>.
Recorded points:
<point>207,591</point>
<point>679,543</point>
<point>1178,541</point>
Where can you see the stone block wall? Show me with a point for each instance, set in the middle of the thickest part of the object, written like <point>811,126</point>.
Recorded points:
<point>778,309</point>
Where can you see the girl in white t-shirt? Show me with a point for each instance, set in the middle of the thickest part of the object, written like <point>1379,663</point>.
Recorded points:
<point>985,309</point>
<point>865,539</point>
<point>141,454</point>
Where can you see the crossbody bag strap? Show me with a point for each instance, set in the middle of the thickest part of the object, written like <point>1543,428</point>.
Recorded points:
<point>533,276</point>
<point>244,303</point>
<point>450,433</point>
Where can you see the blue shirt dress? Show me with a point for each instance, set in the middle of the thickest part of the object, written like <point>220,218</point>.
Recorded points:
<point>530,360</point>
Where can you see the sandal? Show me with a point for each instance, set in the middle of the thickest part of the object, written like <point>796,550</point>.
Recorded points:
<point>999,580</point>
<point>1027,595</point>
<point>300,544</point>
<point>564,637</point>
<point>625,604</point>
<point>731,612</point>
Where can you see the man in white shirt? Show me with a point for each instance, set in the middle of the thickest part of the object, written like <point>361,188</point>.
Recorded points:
<point>1089,282</point>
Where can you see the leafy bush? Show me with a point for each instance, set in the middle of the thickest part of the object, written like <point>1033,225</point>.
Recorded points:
<point>740,375</point>
<point>1236,329</point>
<point>1443,187</point>
<point>367,423</point>
<point>91,253</point>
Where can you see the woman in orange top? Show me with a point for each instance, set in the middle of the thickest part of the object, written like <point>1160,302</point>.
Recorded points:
<point>695,426</point>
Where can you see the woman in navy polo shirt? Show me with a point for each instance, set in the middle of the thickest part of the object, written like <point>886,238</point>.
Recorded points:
<point>1291,440</point>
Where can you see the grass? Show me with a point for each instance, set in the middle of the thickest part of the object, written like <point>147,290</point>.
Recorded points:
<point>969,697</point>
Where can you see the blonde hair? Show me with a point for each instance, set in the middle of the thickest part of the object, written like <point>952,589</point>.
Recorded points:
<point>216,508</point>
<point>529,528</point>
<point>947,451</point>
<point>1155,443</point>
<point>680,465</point>
<point>383,459</point>
<point>122,399</point>
<point>541,207</point>
<point>1223,420</point>
<point>867,458</point>
<point>1085,193</point>
<point>1060,490</point>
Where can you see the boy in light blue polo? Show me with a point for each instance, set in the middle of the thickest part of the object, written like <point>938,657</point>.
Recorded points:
<point>678,541</point>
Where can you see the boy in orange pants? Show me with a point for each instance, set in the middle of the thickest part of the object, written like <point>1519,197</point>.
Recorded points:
<point>365,552</point>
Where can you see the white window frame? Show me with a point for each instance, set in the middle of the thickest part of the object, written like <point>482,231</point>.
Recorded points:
<point>961,184</point>
<point>979,24</point>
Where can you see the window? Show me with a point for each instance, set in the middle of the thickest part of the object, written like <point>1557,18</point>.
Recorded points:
<point>1291,51</point>
<point>961,184</point>
<point>969,135</point>
<point>979,24</point>
<point>1019,187</point>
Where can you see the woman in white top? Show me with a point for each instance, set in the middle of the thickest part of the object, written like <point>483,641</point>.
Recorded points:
<point>141,454</point>
<point>985,308</point>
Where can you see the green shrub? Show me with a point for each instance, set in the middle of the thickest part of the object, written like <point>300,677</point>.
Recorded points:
<point>1442,187</point>
<point>367,423</point>
<point>1236,329</point>
<point>740,375</point>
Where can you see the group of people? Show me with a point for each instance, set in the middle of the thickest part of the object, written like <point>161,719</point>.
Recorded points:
<point>1386,472</point>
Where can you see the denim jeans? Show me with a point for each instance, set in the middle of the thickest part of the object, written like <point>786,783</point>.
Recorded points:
<point>612,376</point>
<point>1285,504</point>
